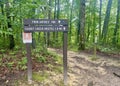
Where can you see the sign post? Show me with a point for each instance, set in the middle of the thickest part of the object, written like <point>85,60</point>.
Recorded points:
<point>29,63</point>
<point>65,58</point>
<point>47,25</point>
<point>27,39</point>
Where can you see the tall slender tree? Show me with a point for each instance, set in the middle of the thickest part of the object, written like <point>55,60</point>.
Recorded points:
<point>82,25</point>
<point>100,14</point>
<point>49,17</point>
<point>58,16</point>
<point>71,16</point>
<point>11,38</point>
<point>115,36</point>
<point>106,21</point>
<point>78,22</point>
<point>55,11</point>
<point>88,21</point>
<point>94,19</point>
<point>2,13</point>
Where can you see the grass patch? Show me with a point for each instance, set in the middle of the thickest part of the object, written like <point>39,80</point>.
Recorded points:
<point>73,48</point>
<point>39,77</point>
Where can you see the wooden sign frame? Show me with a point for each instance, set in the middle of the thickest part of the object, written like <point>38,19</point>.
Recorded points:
<point>47,25</point>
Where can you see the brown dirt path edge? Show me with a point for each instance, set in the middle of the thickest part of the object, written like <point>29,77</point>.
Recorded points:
<point>82,71</point>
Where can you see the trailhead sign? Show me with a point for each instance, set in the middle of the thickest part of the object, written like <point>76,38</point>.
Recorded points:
<point>45,25</point>
<point>35,25</point>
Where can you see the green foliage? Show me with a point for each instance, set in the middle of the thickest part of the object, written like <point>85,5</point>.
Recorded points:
<point>12,52</point>
<point>41,58</point>
<point>24,52</point>
<point>17,47</point>
<point>23,9</point>
<point>10,64</point>
<point>58,69</point>
<point>2,50</point>
<point>55,56</point>
<point>108,49</point>
<point>0,60</point>
<point>22,63</point>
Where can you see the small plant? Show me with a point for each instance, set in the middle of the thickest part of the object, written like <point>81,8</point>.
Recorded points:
<point>93,58</point>
<point>0,56</point>
<point>12,53</point>
<point>58,69</point>
<point>0,61</point>
<point>24,52</point>
<point>41,59</point>
<point>2,50</point>
<point>17,47</point>
<point>39,77</point>
<point>22,63</point>
<point>10,64</point>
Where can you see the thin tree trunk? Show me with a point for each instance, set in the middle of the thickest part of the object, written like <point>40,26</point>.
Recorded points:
<point>106,21</point>
<point>117,24</point>
<point>58,9</point>
<point>100,13</point>
<point>11,38</point>
<point>71,15</point>
<point>58,15</point>
<point>2,10</point>
<point>33,33</point>
<point>49,17</point>
<point>78,27</point>
<point>82,25</point>
<point>88,31</point>
<point>94,20</point>
<point>54,18</point>
<point>55,9</point>
<point>89,23</point>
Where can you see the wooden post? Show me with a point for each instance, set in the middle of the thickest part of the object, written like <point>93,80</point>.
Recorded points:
<point>29,63</point>
<point>65,58</point>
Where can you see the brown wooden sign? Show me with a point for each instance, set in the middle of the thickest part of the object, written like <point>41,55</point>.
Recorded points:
<point>47,25</point>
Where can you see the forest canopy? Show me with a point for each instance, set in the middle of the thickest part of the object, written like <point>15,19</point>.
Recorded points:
<point>90,22</point>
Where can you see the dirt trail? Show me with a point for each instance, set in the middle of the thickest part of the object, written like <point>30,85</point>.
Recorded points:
<point>82,71</point>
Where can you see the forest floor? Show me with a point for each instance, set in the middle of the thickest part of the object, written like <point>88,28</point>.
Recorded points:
<point>83,70</point>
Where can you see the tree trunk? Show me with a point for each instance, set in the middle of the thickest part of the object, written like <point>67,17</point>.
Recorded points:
<point>82,25</point>
<point>89,23</point>
<point>58,9</point>
<point>33,33</point>
<point>71,15</point>
<point>49,17</point>
<point>117,24</point>
<point>58,15</point>
<point>78,27</point>
<point>78,30</point>
<point>2,10</point>
<point>100,13</point>
<point>11,38</point>
<point>106,21</point>
<point>1,5</point>
<point>94,20</point>
<point>54,18</point>
<point>55,9</point>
